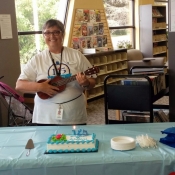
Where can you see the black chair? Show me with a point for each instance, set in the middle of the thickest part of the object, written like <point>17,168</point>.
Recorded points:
<point>19,114</point>
<point>160,71</point>
<point>130,93</point>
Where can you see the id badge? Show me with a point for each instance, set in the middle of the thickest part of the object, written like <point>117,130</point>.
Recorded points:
<point>59,113</point>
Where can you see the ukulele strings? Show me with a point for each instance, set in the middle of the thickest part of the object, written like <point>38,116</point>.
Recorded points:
<point>64,81</point>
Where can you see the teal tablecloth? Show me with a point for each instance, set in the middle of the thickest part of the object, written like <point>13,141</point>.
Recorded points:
<point>150,161</point>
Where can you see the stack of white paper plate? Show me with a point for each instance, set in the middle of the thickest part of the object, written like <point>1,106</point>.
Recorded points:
<point>123,143</point>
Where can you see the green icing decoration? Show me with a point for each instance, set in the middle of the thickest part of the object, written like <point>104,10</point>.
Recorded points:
<point>62,138</point>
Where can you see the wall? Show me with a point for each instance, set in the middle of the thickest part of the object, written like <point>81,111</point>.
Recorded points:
<point>9,55</point>
<point>142,2</point>
<point>137,30</point>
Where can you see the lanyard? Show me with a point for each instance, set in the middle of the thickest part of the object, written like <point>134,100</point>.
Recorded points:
<point>57,73</point>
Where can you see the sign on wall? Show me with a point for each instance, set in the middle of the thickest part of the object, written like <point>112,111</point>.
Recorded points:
<point>5,26</point>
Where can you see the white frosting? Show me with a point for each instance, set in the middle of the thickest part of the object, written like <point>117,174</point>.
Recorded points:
<point>76,143</point>
<point>69,146</point>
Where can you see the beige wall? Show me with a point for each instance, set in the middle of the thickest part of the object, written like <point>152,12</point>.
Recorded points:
<point>142,2</point>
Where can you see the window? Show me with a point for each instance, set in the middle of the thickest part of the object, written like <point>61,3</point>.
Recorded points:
<point>31,15</point>
<point>120,19</point>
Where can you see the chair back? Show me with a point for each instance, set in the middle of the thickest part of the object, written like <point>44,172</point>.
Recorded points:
<point>134,54</point>
<point>130,92</point>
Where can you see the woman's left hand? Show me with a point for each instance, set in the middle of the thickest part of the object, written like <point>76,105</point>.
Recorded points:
<point>82,79</point>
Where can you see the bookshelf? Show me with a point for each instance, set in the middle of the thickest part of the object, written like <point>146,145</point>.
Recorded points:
<point>109,62</point>
<point>153,32</point>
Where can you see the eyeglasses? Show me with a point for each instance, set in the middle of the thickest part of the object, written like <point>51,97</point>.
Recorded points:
<point>55,33</point>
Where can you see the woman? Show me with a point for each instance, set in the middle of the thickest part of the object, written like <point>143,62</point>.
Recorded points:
<point>67,107</point>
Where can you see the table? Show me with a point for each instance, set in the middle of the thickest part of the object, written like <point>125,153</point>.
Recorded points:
<point>13,160</point>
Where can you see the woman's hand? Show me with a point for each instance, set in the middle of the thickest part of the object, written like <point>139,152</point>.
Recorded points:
<point>82,79</point>
<point>87,83</point>
<point>48,89</point>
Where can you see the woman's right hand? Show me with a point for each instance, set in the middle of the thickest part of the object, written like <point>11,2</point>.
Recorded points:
<point>48,89</point>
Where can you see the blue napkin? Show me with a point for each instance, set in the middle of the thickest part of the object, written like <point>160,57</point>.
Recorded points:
<point>170,138</point>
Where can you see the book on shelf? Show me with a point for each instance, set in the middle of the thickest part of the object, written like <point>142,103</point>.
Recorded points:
<point>156,12</point>
<point>84,29</point>
<point>143,81</point>
<point>83,43</point>
<point>98,15</point>
<point>89,42</point>
<point>100,41</point>
<point>76,43</point>
<point>90,29</point>
<point>153,12</point>
<point>94,41</point>
<point>163,117</point>
<point>95,27</point>
<point>154,84</point>
<point>136,116</point>
<point>79,16</point>
<point>161,83</point>
<point>157,118</point>
<point>77,30</point>
<point>101,29</point>
<point>92,17</point>
<point>154,20</point>
<point>134,81</point>
<point>86,15</point>
<point>105,41</point>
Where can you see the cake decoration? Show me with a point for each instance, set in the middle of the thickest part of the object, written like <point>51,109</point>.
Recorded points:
<point>79,141</point>
<point>58,137</point>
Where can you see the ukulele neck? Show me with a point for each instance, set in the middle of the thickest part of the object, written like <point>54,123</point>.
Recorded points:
<point>64,81</point>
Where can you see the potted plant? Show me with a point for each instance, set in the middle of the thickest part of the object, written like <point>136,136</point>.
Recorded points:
<point>128,45</point>
<point>120,44</point>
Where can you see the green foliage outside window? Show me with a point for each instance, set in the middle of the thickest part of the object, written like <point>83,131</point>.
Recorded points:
<point>25,23</point>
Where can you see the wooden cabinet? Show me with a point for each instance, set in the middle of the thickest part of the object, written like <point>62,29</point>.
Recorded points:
<point>109,62</point>
<point>153,32</point>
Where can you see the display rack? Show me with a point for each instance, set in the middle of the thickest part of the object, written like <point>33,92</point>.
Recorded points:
<point>153,32</point>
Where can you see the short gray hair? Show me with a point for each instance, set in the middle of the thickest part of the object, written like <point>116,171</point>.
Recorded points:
<point>54,22</point>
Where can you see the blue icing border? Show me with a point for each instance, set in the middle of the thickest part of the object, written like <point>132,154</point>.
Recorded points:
<point>77,150</point>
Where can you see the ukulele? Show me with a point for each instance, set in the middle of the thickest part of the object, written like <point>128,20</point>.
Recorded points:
<point>61,82</point>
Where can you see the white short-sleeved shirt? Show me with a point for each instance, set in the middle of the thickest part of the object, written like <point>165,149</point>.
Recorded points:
<point>41,67</point>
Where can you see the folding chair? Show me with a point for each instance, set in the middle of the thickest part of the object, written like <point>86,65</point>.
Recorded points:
<point>19,114</point>
<point>130,93</point>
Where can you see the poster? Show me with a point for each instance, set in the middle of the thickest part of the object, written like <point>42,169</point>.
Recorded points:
<point>5,26</point>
